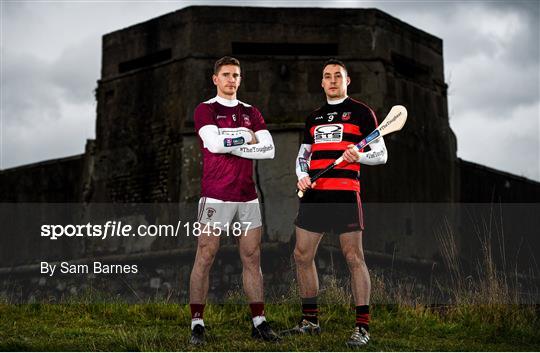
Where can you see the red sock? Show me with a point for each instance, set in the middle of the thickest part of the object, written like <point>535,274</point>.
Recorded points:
<point>197,311</point>
<point>257,309</point>
<point>362,316</point>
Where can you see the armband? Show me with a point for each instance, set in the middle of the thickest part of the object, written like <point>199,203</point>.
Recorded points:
<point>230,142</point>
<point>304,166</point>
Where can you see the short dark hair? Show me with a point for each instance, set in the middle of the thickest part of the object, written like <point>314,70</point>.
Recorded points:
<point>334,61</point>
<point>226,60</point>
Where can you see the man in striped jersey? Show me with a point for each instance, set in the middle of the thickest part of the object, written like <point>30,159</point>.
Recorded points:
<point>332,204</point>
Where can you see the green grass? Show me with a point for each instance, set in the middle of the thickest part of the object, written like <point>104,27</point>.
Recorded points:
<point>89,326</point>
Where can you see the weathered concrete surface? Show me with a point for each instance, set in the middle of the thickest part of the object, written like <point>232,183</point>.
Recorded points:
<point>56,180</point>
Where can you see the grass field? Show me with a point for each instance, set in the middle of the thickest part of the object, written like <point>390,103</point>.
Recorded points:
<point>164,327</point>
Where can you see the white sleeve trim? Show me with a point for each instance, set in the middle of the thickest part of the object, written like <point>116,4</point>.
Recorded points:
<point>264,149</point>
<point>377,155</point>
<point>302,161</point>
<point>224,141</point>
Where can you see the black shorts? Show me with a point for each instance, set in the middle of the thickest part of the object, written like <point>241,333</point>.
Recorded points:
<point>330,211</point>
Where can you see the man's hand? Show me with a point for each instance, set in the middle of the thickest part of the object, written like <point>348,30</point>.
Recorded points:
<point>351,155</point>
<point>304,184</point>
<point>253,138</point>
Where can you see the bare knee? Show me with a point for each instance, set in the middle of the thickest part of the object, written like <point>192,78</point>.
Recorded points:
<point>303,258</point>
<point>205,256</point>
<point>354,257</point>
<point>251,258</point>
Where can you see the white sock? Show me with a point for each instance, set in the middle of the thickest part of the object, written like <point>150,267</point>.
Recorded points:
<point>195,322</point>
<point>257,320</point>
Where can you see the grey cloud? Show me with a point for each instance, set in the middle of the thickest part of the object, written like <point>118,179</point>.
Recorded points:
<point>15,8</point>
<point>495,91</point>
<point>77,69</point>
<point>42,140</point>
<point>27,93</point>
<point>498,143</point>
<point>33,88</point>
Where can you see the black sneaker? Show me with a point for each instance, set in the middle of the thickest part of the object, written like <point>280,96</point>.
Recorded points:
<point>197,336</point>
<point>359,337</point>
<point>264,332</point>
<point>304,327</point>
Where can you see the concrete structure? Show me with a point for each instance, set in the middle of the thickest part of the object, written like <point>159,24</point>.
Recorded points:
<point>155,73</point>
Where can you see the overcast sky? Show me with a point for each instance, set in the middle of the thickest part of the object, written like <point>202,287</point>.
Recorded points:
<point>51,52</point>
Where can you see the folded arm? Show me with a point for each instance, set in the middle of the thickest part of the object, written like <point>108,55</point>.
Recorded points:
<point>223,140</point>
<point>263,149</point>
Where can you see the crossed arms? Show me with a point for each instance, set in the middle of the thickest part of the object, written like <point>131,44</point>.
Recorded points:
<point>240,142</point>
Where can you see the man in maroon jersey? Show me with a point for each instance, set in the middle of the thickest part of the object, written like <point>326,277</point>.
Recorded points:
<point>332,204</point>
<point>232,134</point>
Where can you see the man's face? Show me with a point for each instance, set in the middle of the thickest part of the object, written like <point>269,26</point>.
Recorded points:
<point>335,82</point>
<point>227,81</point>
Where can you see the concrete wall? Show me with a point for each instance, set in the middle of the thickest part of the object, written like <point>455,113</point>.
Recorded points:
<point>56,180</point>
<point>483,184</point>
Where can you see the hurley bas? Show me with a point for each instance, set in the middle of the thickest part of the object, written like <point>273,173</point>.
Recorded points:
<point>96,268</point>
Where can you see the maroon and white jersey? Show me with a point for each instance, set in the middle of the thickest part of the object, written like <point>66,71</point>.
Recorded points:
<point>225,176</point>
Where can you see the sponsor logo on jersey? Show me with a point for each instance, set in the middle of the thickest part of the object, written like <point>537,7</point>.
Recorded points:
<point>328,133</point>
<point>210,212</point>
<point>221,117</point>
<point>346,116</point>
<point>247,122</point>
<point>318,118</point>
<point>331,116</point>
<point>234,117</point>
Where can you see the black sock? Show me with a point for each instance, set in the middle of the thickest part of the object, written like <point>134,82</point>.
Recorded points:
<point>310,310</point>
<point>362,316</point>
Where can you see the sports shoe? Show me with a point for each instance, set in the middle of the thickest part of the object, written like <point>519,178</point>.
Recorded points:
<point>359,337</point>
<point>304,327</point>
<point>197,336</point>
<point>264,332</point>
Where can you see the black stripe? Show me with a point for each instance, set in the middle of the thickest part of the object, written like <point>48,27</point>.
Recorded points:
<point>201,211</point>
<point>352,138</point>
<point>326,155</point>
<point>336,173</point>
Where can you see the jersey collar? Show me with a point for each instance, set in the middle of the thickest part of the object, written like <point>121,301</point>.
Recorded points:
<point>227,102</point>
<point>336,101</point>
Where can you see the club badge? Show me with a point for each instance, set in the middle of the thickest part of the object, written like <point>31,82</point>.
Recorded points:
<point>210,212</point>
<point>247,122</point>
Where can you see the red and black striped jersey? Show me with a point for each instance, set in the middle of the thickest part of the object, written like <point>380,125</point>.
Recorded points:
<point>329,130</point>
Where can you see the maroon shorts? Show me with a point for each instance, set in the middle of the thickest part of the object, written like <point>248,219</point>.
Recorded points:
<point>330,211</point>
